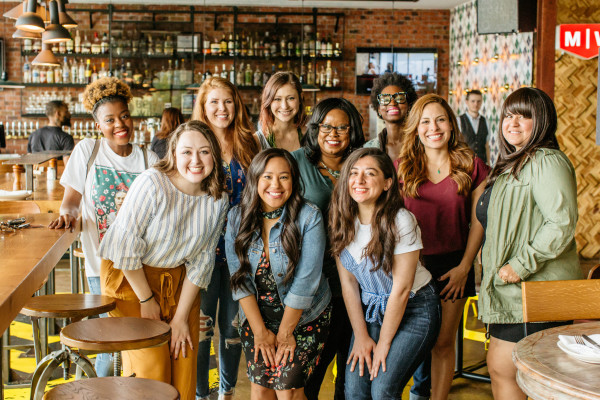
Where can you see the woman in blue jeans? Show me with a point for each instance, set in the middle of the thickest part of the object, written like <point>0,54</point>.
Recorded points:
<point>376,242</point>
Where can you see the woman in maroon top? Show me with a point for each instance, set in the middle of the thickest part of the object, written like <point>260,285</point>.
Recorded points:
<point>441,183</point>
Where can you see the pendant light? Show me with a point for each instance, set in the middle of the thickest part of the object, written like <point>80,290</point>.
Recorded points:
<point>55,32</point>
<point>30,20</point>
<point>20,34</point>
<point>64,18</point>
<point>46,57</point>
<point>17,11</point>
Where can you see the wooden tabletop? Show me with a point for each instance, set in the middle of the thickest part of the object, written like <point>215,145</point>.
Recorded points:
<point>37,158</point>
<point>546,372</point>
<point>113,387</point>
<point>28,256</point>
<point>48,192</point>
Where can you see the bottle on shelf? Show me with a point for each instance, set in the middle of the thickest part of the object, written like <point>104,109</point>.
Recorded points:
<point>250,46</point>
<point>305,47</point>
<point>273,51</point>
<point>328,74</point>
<point>257,78</point>
<point>232,74</point>
<point>65,70</point>
<point>337,51</point>
<point>96,49</point>
<point>168,47</point>
<point>206,46</point>
<point>248,76</point>
<point>298,49</point>
<point>323,52</point>
<point>94,74</point>
<point>231,46</point>
<point>81,72</point>
<point>86,45</point>
<point>243,46</point>
<point>28,45</point>
<point>224,73</point>
<point>104,44</point>
<point>62,47</point>
<point>239,76</point>
<point>311,46</point>
<point>335,82</point>
<point>74,72</point>
<point>215,47</point>
<point>223,46</point>
<point>128,77</point>
<point>150,46</point>
<point>88,71</point>
<point>258,46</point>
<point>310,77</point>
<point>50,75</point>
<point>267,46</point>
<point>77,47</point>
<point>236,46</point>
<point>26,71</point>
<point>70,45</point>
<point>317,45</point>
<point>283,46</point>
<point>58,74</point>
<point>254,110</point>
<point>329,47</point>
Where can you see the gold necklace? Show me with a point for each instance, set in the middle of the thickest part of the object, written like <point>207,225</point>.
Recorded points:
<point>441,165</point>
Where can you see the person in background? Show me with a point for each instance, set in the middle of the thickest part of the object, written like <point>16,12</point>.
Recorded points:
<point>97,171</point>
<point>474,126</point>
<point>275,243</point>
<point>376,242</point>
<point>220,106</point>
<point>52,137</point>
<point>334,131</point>
<point>529,213</point>
<point>171,119</point>
<point>282,113</point>
<point>392,97</point>
<point>181,197</point>
<point>441,181</point>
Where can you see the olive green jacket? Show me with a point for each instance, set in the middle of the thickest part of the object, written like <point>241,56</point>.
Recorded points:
<point>531,226</point>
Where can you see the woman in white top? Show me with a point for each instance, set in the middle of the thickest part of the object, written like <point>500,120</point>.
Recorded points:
<point>96,172</point>
<point>160,252</point>
<point>376,242</point>
<point>282,114</point>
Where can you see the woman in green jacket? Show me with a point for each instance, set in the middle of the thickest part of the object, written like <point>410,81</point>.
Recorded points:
<point>529,213</point>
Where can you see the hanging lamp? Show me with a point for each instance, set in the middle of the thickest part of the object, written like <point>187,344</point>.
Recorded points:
<point>63,18</point>
<point>30,20</point>
<point>20,34</point>
<point>17,11</point>
<point>55,32</point>
<point>46,57</point>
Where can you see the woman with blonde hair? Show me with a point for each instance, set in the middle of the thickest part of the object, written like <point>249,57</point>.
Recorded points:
<point>220,106</point>
<point>441,180</point>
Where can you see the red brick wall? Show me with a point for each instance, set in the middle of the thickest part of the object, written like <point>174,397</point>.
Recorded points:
<point>359,28</point>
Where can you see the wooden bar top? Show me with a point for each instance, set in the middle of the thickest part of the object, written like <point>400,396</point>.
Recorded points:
<point>28,256</point>
<point>37,158</point>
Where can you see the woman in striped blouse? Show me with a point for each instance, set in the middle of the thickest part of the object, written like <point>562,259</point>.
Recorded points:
<point>376,242</point>
<point>164,237</point>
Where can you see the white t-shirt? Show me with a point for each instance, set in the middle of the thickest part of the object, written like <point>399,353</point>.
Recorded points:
<point>109,174</point>
<point>409,240</point>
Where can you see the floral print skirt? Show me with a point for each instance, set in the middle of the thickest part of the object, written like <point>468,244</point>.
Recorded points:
<point>310,338</point>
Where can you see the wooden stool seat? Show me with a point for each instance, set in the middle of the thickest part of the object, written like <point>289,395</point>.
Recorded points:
<point>108,335</point>
<point>78,252</point>
<point>113,387</point>
<point>73,306</point>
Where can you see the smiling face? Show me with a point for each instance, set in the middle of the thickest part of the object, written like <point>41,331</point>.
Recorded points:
<point>219,108</point>
<point>115,123</point>
<point>434,127</point>
<point>366,181</point>
<point>517,129</point>
<point>285,104</point>
<point>474,102</point>
<point>194,161</point>
<point>333,143</point>
<point>275,184</point>
<point>393,112</point>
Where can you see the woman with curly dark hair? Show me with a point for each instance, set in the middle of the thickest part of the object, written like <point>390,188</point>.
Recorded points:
<point>97,170</point>
<point>392,97</point>
<point>334,131</point>
<point>275,242</point>
<point>171,119</point>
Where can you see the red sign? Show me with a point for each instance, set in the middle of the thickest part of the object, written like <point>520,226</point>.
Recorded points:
<point>582,40</point>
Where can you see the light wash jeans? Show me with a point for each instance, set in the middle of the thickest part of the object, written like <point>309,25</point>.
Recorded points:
<point>414,339</point>
<point>230,346</point>
<point>104,361</point>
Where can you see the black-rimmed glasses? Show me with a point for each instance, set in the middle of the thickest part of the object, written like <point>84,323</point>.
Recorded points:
<point>385,99</point>
<point>341,130</point>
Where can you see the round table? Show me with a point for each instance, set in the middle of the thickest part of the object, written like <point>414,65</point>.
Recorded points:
<point>546,372</point>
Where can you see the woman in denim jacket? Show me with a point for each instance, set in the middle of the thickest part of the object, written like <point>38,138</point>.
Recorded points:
<point>274,244</point>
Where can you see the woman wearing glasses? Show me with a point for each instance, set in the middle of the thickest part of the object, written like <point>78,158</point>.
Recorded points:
<point>334,131</point>
<point>441,181</point>
<point>392,97</point>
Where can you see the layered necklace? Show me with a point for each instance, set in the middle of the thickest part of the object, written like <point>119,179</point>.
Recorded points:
<point>335,174</point>
<point>273,214</point>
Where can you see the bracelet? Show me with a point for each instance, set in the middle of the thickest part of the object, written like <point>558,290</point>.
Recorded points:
<point>148,299</point>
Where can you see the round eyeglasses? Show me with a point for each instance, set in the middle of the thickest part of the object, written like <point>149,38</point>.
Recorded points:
<point>385,99</point>
<point>341,130</point>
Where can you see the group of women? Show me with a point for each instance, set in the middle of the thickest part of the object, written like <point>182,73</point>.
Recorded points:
<point>312,244</point>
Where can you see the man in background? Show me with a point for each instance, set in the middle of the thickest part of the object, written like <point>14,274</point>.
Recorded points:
<point>474,126</point>
<point>52,137</point>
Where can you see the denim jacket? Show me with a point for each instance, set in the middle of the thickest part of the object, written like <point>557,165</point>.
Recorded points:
<point>308,290</point>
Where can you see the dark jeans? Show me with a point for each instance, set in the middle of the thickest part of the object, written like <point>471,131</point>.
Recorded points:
<point>414,339</point>
<point>337,344</point>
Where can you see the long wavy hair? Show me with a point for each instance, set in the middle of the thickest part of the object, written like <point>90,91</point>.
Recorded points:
<point>214,183</point>
<point>343,212</point>
<point>412,169</point>
<point>245,146</point>
<point>171,119</point>
<point>252,220</point>
<point>530,103</point>
<point>276,82</point>
<point>311,138</point>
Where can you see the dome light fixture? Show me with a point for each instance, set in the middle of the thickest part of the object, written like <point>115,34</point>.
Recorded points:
<point>30,20</point>
<point>64,18</point>
<point>46,57</point>
<point>55,32</point>
<point>20,34</point>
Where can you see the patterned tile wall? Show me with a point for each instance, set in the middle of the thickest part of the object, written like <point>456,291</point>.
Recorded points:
<point>494,64</point>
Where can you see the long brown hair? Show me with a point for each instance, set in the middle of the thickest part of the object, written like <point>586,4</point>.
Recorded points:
<point>245,146</point>
<point>343,212</point>
<point>251,216</point>
<point>412,169</point>
<point>276,82</point>
<point>214,183</point>
<point>530,103</point>
<point>171,119</point>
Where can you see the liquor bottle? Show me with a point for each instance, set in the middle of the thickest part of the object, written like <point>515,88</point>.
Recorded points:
<point>58,74</point>
<point>239,76</point>
<point>150,47</point>
<point>81,71</point>
<point>298,49</point>
<point>328,74</point>
<point>54,48</point>
<point>250,46</point>
<point>329,47</point>
<point>66,71</point>
<point>273,51</point>
<point>94,74</point>
<point>231,45</point>
<point>257,77</point>
<point>223,46</point>
<point>267,46</point>
<point>248,76</point>
<point>290,47</point>
<point>258,48</point>
<point>86,45</point>
<point>96,48</point>
<point>243,45</point>
<point>317,46</point>
<point>186,74</point>
<point>310,77</point>
<point>137,45</point>
<point>322,76</point>
<point>159,49</point>
<point>169,48</point>
<point>128,76</point>
<point>88,71</point>
<point>217,72</point>
<point>35,75</point>
<point>311,46</point>
<point>70,45</point>
<point>305,47</point>
<point>215,48</point>
<point>103,72</point>
<point>336,79</point>
<point>323,47</point>
<point>49,75</point>
<point>26,71</point>
<point>123,70</point>
<point>254,110</point>
<point>236,46</point>
<point>224,73</point>
<point>62,47</point>
<point>27,45</point>
<point>104,44</point>
<point>74,76</point>
<point>337,51</point>
<point>282,46</point>
<point>232,74</point>
<point>206,45</point>
<point>265,77</point>
<point>169,75</point>
<point>77,43</point>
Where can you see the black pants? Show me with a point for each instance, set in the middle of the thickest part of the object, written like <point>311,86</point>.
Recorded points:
<point>337,344</point>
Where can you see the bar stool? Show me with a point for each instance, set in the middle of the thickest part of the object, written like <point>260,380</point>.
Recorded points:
<point>102,335</point>
<point>113,387</point>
